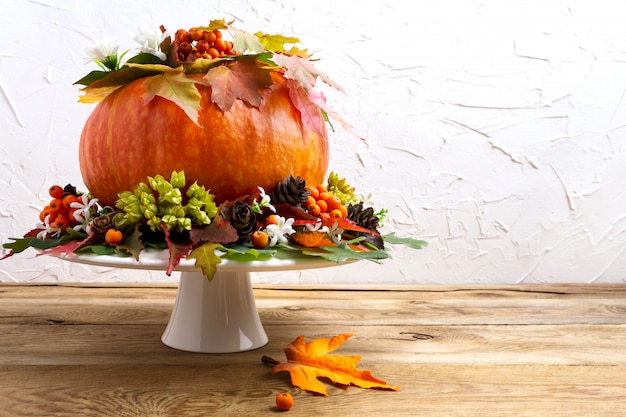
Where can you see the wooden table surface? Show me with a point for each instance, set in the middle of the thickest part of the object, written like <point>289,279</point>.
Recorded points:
<point>454,351</point>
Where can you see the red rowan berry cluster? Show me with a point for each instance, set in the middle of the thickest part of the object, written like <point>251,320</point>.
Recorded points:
<point>199,43</point>
<point>324,203</point>
<point>59,213</point>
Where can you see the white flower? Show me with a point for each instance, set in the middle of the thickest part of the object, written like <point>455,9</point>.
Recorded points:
<point>103,48</point>
<point>335,233</point>
<point>83,212</point>
<point>317,227</point>
<point>47,229</point>
<point>150,39</point>
<point>278,232</point>
<point>265,202</point>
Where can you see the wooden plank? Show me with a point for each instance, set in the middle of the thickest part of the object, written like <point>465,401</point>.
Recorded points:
<point>454,351</point>
<point>248,389</point>
<point>497,345</point>
<point>473,306</point>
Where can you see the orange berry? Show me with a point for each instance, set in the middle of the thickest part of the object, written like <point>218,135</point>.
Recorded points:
<point>325,195</point>
<point>56,191</point>
<point>325,216</point>
<point>113,237</point>
<point>62,222</point>
<point>323,206</point>
<point>44,212</point>
<point>336,214</point>
<point>214,53</point>
<point>314,210</point>
<point>69,199</point>
<point>196,34</point>
<point>321,188</point>
<point>315,193</point>
<point>259,239</point>
<point>56,204</point>
<point>220,45</point>
<point>333,202</point>
<point>344,211</point>
<point>309,201</point>
<point>210,37</point>
<point>271,219</point>
<point>284,401</point>
<point>70,215</point>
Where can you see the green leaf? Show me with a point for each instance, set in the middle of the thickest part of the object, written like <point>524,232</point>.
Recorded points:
<point>145,58</point>
<point>241,81</point>
<point>121,77</point>
<point>132,243</point>
<point>206,259</point>
<point>92,77</point>
<point>242,253</point>
<point>178,88</point>
<point>100,250</point>
<point>343,253</point>
<point>407,241</point>
<point>18,245</point>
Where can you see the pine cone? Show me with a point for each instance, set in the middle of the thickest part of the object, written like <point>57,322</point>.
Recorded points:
<point>363,217</point>
<point>242,218</point>
<point>100,224</point>
<point>291,191</point>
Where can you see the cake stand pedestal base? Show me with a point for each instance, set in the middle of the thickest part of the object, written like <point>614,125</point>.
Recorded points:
<point>218,316</point>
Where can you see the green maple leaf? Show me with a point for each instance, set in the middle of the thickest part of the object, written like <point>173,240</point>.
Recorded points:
<point>132,243</point>
<point>275,43</point>
<point>206,259</point>
<point>242,81</point>
<point>178,88</point>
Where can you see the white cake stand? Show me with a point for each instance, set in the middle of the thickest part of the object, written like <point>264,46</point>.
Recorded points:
<point>218,316</point>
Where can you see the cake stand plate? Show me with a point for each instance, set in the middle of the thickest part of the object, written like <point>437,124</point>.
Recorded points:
<point>218,316</point>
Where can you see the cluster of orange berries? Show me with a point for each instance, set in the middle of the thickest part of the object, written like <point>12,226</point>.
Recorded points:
<point>324,203</point>
<point>59,212</point>
<point>198,43</point>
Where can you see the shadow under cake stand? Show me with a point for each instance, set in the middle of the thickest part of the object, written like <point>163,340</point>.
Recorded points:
<point>218,316</point>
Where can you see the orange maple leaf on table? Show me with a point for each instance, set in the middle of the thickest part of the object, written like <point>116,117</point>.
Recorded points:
<point>308,361</point>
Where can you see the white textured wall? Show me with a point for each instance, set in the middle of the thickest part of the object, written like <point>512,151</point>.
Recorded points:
<point>495,129</point>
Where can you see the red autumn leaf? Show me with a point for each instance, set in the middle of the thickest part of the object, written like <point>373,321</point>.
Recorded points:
<point>308,361</point>
<point>347,224</point>
<point>241,81</point>
<point>64,249</point>
<point>309,111</point>
<point>177,251</point>
<point>218,231</point>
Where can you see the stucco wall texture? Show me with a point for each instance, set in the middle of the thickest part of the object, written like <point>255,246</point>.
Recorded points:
<point>494,130</point>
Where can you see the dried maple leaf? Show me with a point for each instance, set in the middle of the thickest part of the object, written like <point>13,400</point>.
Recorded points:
<point>206,259</point>
<point>302,70</point>
<point>176,87</point>
<point>309,112</point>
<point>241,81</point>
<point>308,361</point>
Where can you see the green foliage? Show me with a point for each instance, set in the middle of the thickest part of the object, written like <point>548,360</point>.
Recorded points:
<point>410,242</point>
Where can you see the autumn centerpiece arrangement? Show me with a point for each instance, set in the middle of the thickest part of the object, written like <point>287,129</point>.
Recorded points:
<point>210,143</point>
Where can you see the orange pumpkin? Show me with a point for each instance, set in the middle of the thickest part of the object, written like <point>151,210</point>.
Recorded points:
<point>231,153</point>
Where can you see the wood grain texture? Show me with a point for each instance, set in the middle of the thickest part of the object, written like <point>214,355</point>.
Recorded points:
<point>454,351</point>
